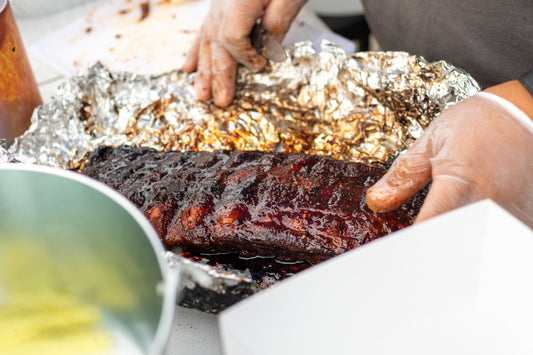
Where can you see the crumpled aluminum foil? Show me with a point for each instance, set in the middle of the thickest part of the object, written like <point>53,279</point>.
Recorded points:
<point>366,107</point>
<point>363,107</point>
<point>5,155</point>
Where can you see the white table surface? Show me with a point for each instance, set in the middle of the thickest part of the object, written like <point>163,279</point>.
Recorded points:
<point>34,29</point>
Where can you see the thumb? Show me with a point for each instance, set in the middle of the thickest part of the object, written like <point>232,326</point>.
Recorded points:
<point>410,172</point>
<point>279,15</point>
<point>446,193</point>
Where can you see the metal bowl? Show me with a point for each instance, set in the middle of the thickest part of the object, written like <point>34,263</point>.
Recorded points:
<point>99,249</point>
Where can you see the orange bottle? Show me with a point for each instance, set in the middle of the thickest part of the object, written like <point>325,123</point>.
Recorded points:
<point>19,93</point>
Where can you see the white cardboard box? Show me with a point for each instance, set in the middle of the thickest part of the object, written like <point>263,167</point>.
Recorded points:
<point>460,283</point>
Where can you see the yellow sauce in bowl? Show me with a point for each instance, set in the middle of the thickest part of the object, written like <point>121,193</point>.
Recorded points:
<point>39,314</point>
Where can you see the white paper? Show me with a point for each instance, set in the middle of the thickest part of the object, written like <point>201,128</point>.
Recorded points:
<point>455,284</point>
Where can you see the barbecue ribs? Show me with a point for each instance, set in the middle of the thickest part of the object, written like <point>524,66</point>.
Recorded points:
<point>291,206</point>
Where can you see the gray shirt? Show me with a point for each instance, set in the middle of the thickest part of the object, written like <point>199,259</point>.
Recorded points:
<point>490,39</point>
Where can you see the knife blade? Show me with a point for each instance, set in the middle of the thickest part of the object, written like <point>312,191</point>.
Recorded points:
<point>266,45</point>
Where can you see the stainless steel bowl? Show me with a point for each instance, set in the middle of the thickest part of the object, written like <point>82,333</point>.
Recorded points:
<point>99,247</point>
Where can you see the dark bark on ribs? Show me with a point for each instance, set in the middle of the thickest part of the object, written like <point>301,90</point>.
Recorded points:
<point>295,207</point>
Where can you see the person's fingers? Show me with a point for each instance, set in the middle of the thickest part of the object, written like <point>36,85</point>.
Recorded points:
<point>244,52</point>
<point>202,83</point>
<point>279,15</point>
<point>235,34</point>
<point>445,194</point>
<point>191,61</point>
<point>224,70</point>
<point>410,172</point>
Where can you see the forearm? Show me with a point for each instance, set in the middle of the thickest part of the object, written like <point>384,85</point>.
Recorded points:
<point>516,93</point>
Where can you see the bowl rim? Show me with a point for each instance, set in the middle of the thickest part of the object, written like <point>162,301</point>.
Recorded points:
<point>169,275</point>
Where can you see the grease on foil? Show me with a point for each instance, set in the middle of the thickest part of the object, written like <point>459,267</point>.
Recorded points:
<point>365,107</point>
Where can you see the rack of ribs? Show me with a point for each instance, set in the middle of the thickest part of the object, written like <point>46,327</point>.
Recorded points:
<point>291,206</point>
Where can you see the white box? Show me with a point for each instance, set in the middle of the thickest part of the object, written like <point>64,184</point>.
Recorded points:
<point>460,283</point>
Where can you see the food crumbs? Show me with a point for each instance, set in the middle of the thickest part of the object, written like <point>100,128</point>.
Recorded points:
<point>145,10</point>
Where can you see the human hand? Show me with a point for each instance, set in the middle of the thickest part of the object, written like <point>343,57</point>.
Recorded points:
<point>224,41</point>
<point>480,148</point>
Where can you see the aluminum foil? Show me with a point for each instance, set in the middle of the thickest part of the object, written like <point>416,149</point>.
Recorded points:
<point>5,155</point>
<point>363,107</point>
<point>366,107</point>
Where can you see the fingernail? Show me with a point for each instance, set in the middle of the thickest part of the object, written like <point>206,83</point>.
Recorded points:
<point>223,98</point>
<point>371,203</point>
<point>221,93</point>
<point>202,92</point>
<point>380,200</point>
<point>258,63</point>
<point>187,66</point>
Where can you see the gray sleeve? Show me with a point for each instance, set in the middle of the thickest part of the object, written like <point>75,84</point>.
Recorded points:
<point>490,39</point>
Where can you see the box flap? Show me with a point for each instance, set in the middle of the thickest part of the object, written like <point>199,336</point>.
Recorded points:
<point>457,283</point>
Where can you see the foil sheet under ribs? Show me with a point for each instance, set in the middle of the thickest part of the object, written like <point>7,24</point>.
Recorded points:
<point>366,107</point>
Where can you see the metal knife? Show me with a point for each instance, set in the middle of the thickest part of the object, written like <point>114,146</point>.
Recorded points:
<point>266,45</point>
